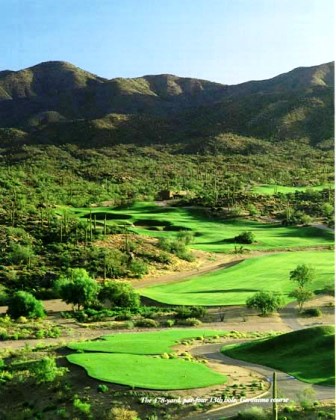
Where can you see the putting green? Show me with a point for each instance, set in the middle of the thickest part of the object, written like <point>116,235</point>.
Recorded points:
<point>308,354</point>
<point>233,285</point>
<point>147,371</point>
<point>214,236</point>
<point>156,342</point>
<point>127,359</point>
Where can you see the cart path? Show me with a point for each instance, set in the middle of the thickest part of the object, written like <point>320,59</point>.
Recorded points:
<point>288,387</point>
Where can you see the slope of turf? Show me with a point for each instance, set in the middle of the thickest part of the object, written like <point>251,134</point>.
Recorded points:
<point>233,285</point>
<point>306,354</point>
<point>271,189</point>
<point>210,235</point>
<point>156,342</point>
<point>147,371</point>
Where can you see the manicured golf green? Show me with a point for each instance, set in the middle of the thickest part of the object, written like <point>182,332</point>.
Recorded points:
<point>271,189</point>
<point>306,354</point>
<point>210,235</point>
<point>147,371</point>
<point>233,285</point>
<point>156,342</point>
<point>127,359</point>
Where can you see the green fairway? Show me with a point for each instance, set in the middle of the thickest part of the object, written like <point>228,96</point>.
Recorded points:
<point>126,358</point>
<point>212,236</point>
<point>306,354</point>
<point>233,285</point>
<point>147,371</point>
<point>156,342</point>
<point>271,189</point>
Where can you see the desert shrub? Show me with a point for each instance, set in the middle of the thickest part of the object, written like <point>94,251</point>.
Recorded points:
<point>102,388</point>
<point>190,322</point>
<point>25,304</point>
<point>147,323</point>
<point>82,406</point>
<point>120,294</point>
<point>120,413</point>
<point>184,312</point>
<point>312,312</point>
<point>253,413</point>
<point>46,370</point>
<point>245,238</point>
<point>169,323</point>
<point>138,268</point>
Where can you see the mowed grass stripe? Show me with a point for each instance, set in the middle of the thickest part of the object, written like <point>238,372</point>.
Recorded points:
<point>150,219</point>
<point>233,285</point>
<point>308,354</point>
<point>146,371</point>
<point>150,343</point>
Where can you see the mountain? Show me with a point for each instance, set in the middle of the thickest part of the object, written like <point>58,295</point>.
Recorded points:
<point>56,102</point>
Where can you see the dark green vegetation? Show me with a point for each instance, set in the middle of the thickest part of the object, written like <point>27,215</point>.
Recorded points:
<point>128,364</point>
<point>306,354</point>
<point>233,285</point>
<point>25,304</point>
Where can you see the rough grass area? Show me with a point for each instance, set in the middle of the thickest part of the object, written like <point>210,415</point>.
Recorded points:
<point>306,354</point>
<point>212,236</point>
<point>271,189</point>
<point>147,371</point>
<point>156,342</point>
<point>233,285</point>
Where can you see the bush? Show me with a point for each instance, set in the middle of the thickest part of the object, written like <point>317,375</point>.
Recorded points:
<point>120,413</point>
<point>138,268</point>
<point>253,413</point>
<point>265,302</point>
<point>169,323</point>
<point>184,312</point>
<point>82,406</point>
<point>245,238</point>
<point>46,370</point>
<point>102,388</point>
<point>26,305</point>
<point>312,312</point>
<point>78,288</point>
<point>190,322</point>
<point>147,323</point>
<point>120,293</point>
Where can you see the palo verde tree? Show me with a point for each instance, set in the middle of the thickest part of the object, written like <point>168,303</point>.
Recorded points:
<point>77,288</point>
<point>303,275</point>
<point>265,302</point>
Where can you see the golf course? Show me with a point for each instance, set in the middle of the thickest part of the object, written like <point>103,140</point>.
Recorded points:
<point>127,359</point>
<point>209,235</point>
<point>233,285</point>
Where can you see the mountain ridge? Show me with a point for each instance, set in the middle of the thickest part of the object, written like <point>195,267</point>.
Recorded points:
<point>296,104</point>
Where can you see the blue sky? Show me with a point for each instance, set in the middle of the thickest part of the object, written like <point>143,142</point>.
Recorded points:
<point>228,41</point>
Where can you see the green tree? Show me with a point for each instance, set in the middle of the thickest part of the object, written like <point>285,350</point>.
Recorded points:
<point>302,295</point>
<point>302,275</point>
<point>25,304</point>
<point>265,302</point>
<point>119,293</point>
<point>77,288</point>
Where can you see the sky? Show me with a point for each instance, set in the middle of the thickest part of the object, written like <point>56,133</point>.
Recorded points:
<point>226,41</point>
